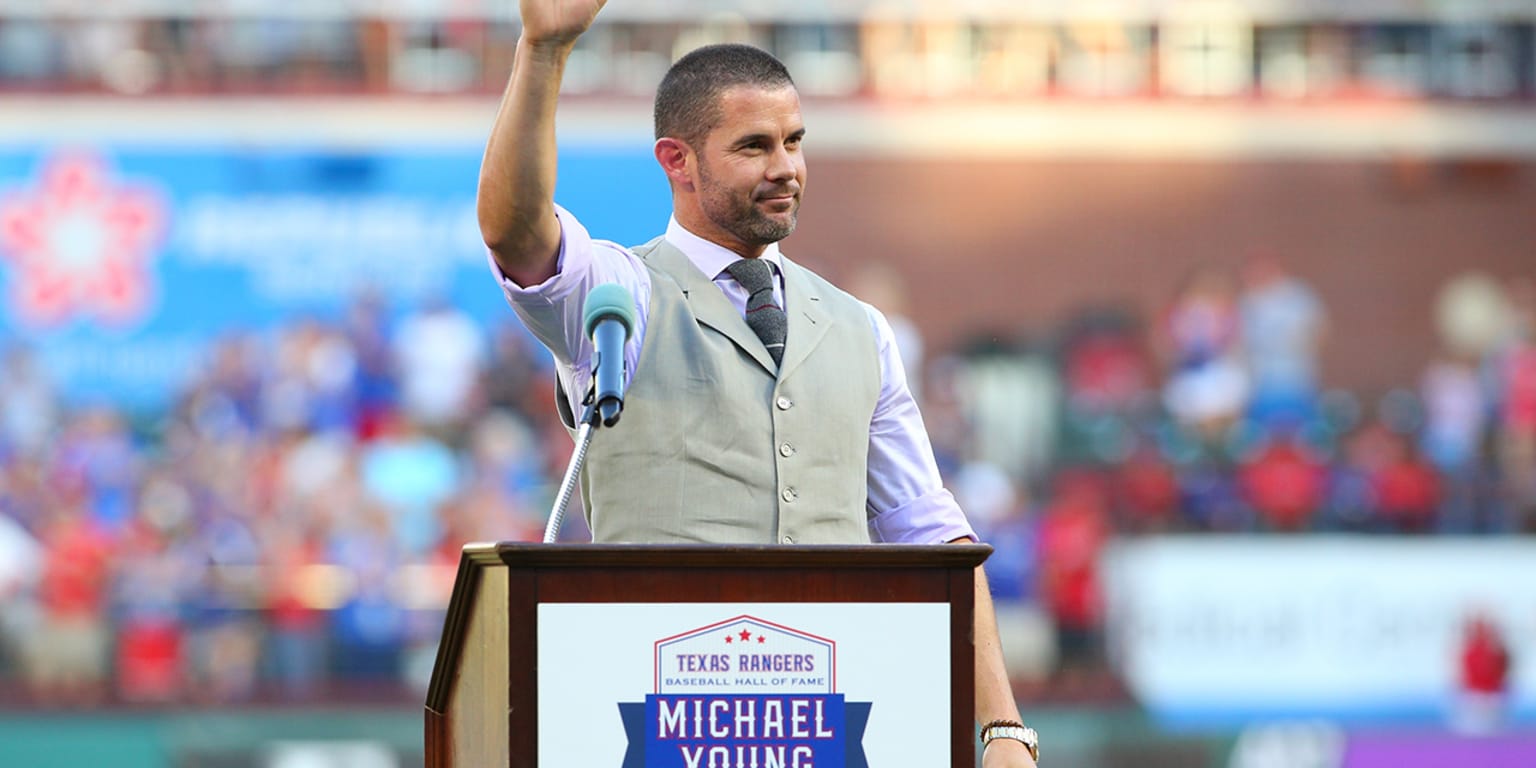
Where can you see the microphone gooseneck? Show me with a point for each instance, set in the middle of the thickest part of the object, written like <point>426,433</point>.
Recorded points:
<point>608,319</point>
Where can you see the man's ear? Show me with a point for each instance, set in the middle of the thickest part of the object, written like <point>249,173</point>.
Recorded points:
<point>676,160</point>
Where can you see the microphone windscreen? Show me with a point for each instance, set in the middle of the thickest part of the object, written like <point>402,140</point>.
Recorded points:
<point>609,300</point>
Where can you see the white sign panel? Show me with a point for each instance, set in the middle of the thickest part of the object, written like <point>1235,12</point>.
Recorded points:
<point>743,685</point>
<point>1218,627</point>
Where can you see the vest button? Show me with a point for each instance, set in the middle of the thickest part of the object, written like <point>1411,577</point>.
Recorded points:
<point>790,494</point>
<point>784,403</point>
<point>786,450</point>
<point>789,539</point>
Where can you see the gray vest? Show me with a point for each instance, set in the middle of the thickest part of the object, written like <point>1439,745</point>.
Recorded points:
<point>712,448</point>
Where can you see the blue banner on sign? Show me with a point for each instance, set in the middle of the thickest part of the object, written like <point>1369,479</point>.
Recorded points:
<point>119,266</point>
<point>727,731</point>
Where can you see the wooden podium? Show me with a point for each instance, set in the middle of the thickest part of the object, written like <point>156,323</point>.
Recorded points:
<point>482,706</point>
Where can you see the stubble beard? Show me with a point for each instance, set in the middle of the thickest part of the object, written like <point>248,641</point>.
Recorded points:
<point>743,220</point>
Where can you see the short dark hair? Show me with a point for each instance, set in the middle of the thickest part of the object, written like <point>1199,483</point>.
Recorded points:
<point>688,99</point>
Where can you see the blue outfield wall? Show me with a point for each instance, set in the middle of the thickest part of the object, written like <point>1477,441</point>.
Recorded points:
<point>119,264</point>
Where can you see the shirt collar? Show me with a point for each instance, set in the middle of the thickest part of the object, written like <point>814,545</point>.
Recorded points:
<point>711,258</point>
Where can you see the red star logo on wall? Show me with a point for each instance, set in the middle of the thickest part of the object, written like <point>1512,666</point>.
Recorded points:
<point>80,243</point>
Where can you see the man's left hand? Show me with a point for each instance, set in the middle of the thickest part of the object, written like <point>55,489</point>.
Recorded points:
<point>1006,753</point>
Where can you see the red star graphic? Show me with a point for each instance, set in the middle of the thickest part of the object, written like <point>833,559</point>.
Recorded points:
<point>760,639</point>
<point>729,638</point>
<point>80,242</point>
<point>744,635</point>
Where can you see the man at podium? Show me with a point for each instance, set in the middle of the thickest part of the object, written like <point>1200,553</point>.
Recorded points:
<point>763,404</point>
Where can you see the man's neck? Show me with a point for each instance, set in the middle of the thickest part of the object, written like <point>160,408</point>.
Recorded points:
<point>703,229</point>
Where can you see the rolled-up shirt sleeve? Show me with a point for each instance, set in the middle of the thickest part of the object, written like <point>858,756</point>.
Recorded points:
<point>552,310</point>
<point>907,501</point>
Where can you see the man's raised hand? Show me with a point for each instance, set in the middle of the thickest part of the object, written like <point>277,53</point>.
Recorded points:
<point>557,22</point>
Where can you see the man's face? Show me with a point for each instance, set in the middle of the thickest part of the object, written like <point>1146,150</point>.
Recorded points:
<point>751,170</point>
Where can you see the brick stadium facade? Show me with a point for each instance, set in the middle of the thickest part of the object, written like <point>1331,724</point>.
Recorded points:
<point>1015,246</point>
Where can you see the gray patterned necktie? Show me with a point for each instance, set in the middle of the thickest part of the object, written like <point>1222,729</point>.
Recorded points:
<point>765,317</point>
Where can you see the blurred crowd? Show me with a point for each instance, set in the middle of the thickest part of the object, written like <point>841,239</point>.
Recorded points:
<point>1214,417</point>
<point>436,48</point>
<point>289,528</point>
<point>279,54</point>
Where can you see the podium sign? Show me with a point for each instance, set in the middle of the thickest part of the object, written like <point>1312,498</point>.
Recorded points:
<point>695,685</point>
<point>632,656</point>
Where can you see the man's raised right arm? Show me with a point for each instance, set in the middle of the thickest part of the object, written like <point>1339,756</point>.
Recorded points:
<point>515,199</point>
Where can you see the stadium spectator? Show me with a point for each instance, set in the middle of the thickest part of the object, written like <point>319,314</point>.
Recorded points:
<point>367,328</point>
<point>155,569</point>
<point>26,495</point>
<point>503,495</point>
<point>1209,492</point>
<point>1514,370</point>
<point>1073,529</point>
<point>1351,504</point>
<point>1104,368</point>
<point>1483,677</point>
<point>1455,411</point>
<point>438,351</point>
<point>881,286</point>
<point>223,633</point>
<point>1013,568</point>
<point>1282,330</point>
<point>1455,426</point>
<point>1285,484</point>
<point>20,561</point>
<point>1014,573</point>
<point>295,653</point>
<point>331,374</point>
<point>409,474</point>
<point>1147,492</point>
<point>1207,387</point>
<point>367,628</point>
<point>949,426</point>
<point>308,388</point>
<point>29,403</point>
<point>516,373</point>
<point>67,661</point>
<point>96,456</point>
<point>1407,490</point>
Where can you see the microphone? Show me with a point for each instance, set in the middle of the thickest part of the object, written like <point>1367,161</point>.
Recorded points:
<point>608,317</point>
